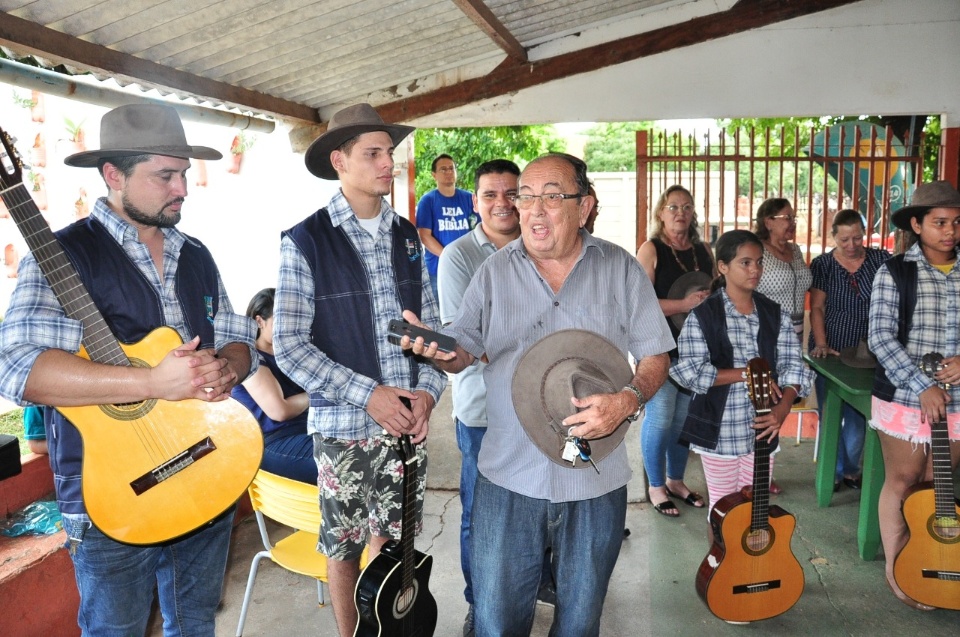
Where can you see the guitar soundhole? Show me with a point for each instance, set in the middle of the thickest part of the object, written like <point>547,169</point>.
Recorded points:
<point>758,542</point>
<point>945,530</point>
<point>130,411</point>
<point>404,601</point>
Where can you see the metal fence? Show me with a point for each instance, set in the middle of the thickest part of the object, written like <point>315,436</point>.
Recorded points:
<point>730,172</point>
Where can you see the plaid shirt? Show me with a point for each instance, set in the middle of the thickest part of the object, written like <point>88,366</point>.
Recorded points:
<point>695,372</point>
<point>935,327</point>
<point>35,322</point>
<point>310,368</point>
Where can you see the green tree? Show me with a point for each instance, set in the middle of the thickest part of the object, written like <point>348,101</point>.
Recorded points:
<point>611,146</point>
<point>471,147</point>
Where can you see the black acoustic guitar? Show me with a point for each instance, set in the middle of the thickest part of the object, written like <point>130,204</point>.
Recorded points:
<point>392,597</point>
<point>751,572</point>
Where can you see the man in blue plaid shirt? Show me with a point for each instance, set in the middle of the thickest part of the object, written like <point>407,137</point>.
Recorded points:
<point>345,272</point>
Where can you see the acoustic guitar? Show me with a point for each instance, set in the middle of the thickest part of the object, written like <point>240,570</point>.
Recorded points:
<point>751,572</point>
<point>392,595</point>
<point>152,470</point>
<point>927,568</point>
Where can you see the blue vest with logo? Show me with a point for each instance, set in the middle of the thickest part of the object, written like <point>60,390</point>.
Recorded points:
<point>343,320</point>
<point>702,426</point>
<point>132,309</point>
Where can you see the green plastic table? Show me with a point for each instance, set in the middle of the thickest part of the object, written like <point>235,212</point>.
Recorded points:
<point>853,386</point>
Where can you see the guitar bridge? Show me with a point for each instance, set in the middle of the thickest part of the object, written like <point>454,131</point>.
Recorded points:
<point>173,466</point>
<point>757,587</point>
<point>947,576</point>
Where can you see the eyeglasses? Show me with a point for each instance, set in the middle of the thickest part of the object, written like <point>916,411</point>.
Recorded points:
<point>787,218</point>
<point>549,200</point>
<point>686,208</point>
<point>853,283</point>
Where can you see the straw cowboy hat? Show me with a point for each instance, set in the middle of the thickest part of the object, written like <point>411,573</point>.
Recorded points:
<point>557,367</point>
<point>344,125</point>
<point>141,129</point>
<point>858,355</point>
<point>687,284</point>
<point>936,194</point>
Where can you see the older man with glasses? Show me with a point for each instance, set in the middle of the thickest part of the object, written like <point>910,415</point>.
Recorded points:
<point>556,278</point>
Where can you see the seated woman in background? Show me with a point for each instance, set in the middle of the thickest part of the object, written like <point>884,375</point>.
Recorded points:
<point>279,405</point>
<point>839,307</point>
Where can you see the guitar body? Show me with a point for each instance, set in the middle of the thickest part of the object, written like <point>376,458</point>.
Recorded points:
<point>927,568</point>
<point>219,445</point>
<point>746,578</point>
<point>383,609</point>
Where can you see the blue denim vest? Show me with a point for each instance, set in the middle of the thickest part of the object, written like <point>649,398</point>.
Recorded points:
<point>343,320</point>
<point>132,309</point>
<point>702,426</point>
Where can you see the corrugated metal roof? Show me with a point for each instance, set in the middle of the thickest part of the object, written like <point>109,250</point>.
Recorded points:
<point>302,58</point>
<point>314,53</point>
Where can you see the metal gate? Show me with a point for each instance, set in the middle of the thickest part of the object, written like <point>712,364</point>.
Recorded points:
<point>729,173</point>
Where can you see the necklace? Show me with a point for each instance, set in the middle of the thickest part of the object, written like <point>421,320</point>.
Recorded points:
<point>696,265</point>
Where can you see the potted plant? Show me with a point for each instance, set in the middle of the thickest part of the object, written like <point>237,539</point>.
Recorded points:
<point>38,189</point>
<point>75,134</point>
<point>241,144</point>
<point>34,103</point>
<point>38,154</point>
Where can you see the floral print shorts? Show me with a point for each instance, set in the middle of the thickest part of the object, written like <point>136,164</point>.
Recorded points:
<point>361,484</point>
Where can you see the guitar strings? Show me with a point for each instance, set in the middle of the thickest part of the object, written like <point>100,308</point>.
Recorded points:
<point>62,277</point>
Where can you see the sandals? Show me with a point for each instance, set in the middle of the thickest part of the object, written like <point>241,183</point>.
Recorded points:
<point>667,508</point>
<point>693,498</point>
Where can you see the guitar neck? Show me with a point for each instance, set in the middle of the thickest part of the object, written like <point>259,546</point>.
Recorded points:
<point>942,471</point>
<point>410,469</point>
<point>760,517</point>
<point>99,341</point>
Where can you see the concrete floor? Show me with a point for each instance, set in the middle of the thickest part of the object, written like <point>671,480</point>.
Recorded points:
<point>652,591</point>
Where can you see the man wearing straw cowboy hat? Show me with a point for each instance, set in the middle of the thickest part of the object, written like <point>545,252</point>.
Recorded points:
<point>142,273</point>
<point>345,271</point>
<point>554,312</point>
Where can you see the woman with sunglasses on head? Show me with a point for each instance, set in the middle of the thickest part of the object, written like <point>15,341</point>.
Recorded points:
<point>839,307</point>
<point>786,277</point>
<point>674,249</point>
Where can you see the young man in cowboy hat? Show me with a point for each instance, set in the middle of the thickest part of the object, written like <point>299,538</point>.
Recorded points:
<point>142,273</point>
<point>345,272</point>
<point>526,498</point>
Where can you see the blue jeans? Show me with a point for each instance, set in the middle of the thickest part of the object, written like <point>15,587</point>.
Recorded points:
<point>511,532</point>
<point>852,433</point>
<point>288,452</point>
<point>468,441</point>
<point>662,423</point>
<point>117,581</point>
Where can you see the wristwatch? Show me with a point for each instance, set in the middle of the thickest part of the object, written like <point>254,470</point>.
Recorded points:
<point>641,401</point>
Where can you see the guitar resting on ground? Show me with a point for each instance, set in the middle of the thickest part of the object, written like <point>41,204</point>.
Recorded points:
<point>751,572</point>
<point>392,595</point>
<point>927,568</point>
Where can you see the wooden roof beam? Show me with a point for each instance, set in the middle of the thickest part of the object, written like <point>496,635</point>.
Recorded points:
<point>483,17</point>
<point>25,36</point>
<point>511,75</point>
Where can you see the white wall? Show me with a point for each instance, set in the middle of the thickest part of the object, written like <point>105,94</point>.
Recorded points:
<point>877,57</point>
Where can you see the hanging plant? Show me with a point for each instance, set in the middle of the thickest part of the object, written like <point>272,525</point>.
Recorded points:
<point>37,112</point>
<point>241,144</point>
<point>81,208</point>
<point>38,189</point>
<point>38,154</point>
<point>23,102</point>
<point>75,134</point>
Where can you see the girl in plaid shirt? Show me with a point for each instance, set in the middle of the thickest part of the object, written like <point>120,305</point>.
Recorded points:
<point>905,399</point>
<point>734,325</point>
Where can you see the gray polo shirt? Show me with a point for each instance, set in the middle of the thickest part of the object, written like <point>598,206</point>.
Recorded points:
<point>458,263</point>
<point>508,307</point>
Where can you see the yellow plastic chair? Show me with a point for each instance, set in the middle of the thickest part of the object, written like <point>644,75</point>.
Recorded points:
<point>296,505</point>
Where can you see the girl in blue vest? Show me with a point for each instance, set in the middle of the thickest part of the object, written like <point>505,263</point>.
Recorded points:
<point>279,404</point>
<point>734,324</point>
<point>915,310</point>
